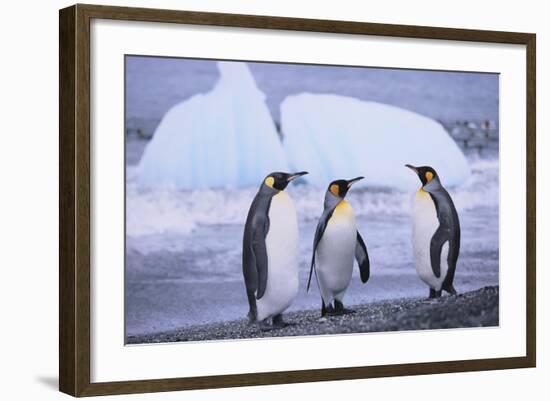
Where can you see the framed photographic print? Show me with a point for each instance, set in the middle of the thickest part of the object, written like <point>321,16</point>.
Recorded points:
<point>250,200</point>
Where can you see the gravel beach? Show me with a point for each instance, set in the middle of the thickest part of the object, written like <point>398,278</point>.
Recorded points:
<point>479,308</point>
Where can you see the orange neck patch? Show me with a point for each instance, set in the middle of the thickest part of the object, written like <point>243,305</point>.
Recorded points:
<point>269,181</point>
<point>335,190</point>
<point>421,192</point>
<point>343,209</point>
<point>429,176</point>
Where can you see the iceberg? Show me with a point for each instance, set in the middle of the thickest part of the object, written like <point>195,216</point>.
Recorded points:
<point>225,138</point>
<point>334,136</point>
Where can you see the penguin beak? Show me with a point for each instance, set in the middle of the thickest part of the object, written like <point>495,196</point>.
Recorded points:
<point>296,175</point>
<point>354,180</point>
<point>412,168</point>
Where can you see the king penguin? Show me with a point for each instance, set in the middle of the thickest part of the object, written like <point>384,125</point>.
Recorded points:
<point>335,246</point>
<point>270,251</point>
<point>436,233</point>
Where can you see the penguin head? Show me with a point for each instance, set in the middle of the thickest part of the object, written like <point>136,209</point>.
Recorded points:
<point>340,188</point>
<point>279,181</point>
<point>425,173</point>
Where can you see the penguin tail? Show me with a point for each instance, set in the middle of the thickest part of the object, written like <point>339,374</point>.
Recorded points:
<point>309,279</point>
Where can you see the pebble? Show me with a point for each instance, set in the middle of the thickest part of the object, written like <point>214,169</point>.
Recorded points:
<point>472,309</point>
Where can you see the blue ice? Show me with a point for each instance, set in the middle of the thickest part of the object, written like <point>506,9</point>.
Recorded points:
<point>334,136</point>
<point>223,138</point>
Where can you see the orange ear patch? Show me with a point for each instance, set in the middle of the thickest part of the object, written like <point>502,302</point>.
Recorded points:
<point>335,189</point>
<point>269,181</point>
<point>429,176</point>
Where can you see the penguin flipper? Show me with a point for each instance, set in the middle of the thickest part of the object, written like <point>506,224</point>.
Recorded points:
<point>362,257</point>
<point>321,226</point>
<point>438,240</point>
<point>260,256</point>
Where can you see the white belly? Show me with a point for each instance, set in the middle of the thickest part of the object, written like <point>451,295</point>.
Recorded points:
<point>282,257</point>
<point>425,223</point>
<point>335,254</point>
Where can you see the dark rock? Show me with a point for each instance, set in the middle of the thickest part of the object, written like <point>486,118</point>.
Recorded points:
<point>472,309</point>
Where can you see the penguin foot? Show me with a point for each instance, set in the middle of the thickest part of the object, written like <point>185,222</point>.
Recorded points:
<point>450,289</point>
<point>434,294</point>
<point>279,323</point>
<point>327,310</point>
<point>344,311</point>
<point>339,309</point>
<point>264,325</point>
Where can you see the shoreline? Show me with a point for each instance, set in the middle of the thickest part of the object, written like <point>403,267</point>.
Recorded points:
<point>478,308</point>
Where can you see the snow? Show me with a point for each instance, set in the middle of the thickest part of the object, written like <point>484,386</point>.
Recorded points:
<point>225,138</point>
<point>334,137</point>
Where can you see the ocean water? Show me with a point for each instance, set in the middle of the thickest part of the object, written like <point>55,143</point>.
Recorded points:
<point>157,217</point>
